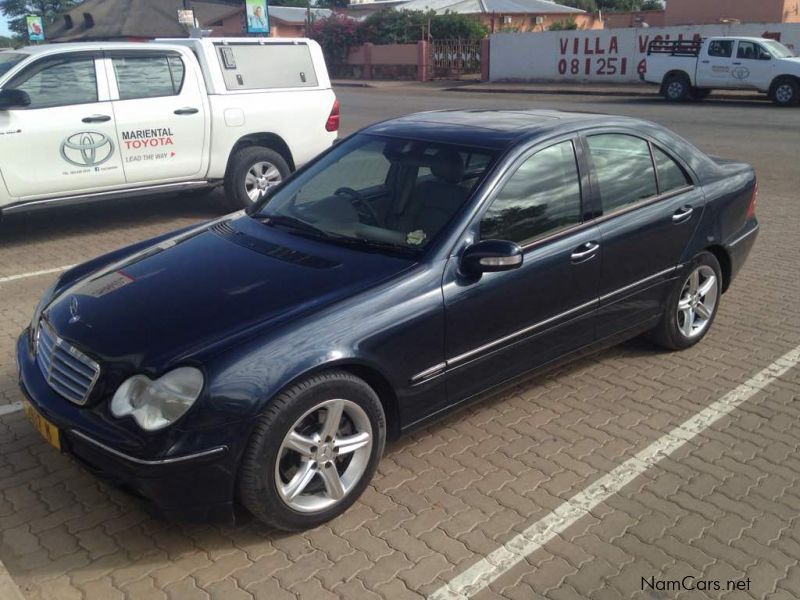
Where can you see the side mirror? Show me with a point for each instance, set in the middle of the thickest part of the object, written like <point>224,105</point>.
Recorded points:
<point>12,98</point>
<point>491,256</point>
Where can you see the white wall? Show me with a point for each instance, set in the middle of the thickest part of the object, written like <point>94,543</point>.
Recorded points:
<point>602,55</point>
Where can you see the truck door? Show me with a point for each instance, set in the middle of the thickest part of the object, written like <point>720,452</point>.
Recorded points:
<point>715,63</point>
<point>752,67</point>
<point>161,113</point>
<point>64,142</point>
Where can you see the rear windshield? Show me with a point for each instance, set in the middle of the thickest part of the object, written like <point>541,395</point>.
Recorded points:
<point>266,66</point>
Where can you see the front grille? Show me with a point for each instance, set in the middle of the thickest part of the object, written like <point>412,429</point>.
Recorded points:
<point>67,370</point>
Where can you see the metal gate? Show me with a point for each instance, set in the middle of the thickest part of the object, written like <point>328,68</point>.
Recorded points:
<point>450,59</point>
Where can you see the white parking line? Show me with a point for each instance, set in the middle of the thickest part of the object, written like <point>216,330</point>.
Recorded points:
<point>34,274</point>
<point>7,409</point>
<point>488,569</point>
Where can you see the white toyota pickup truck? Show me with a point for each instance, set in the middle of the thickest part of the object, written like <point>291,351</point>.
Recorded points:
<point>93,121</point>
<point>690,69</point>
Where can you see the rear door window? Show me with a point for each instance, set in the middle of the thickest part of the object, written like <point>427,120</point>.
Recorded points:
<point>623,168</point>
<point>266,66</point>
<point>148,76</point>
<point>721,48</point>
<point>671,175</point>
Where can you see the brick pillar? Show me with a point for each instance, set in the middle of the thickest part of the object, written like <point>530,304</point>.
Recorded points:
<point>422,61</point>
<point>485,59</point>
<point>367,61</point>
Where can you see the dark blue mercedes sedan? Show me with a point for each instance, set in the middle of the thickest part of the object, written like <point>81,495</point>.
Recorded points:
<point>262,360</point>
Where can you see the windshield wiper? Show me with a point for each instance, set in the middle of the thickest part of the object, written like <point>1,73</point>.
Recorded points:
<point>294,223</point>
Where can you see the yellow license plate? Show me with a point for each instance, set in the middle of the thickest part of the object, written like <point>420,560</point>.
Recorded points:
<point>46,428</point>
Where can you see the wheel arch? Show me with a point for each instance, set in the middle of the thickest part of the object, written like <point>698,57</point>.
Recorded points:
<point>778,78</point>
<point>267,139</point>
<point>724,259</point>
<point>365,371</point>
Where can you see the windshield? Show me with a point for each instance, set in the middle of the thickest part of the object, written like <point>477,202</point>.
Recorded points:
<point>9,59</point>
<point>381,192</point>
<point>777,49</point>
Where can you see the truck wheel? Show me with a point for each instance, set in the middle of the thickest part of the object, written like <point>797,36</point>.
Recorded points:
<point>313,451</point>
<point>676,88</point>
<point>786,92</point>
<point>692,305</point>
<point>253,171</point>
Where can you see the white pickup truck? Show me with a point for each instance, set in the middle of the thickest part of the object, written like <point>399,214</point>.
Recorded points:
<point>690,69</point>
<point>93,121</point>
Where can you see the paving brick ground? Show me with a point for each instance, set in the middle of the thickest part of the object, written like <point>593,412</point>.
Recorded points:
<point>725,507</point>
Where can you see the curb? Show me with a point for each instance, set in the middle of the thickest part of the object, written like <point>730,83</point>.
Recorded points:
<point>9,590</point>
<point>551,91</point>
<point>350,84</point>
<point>591,92</point>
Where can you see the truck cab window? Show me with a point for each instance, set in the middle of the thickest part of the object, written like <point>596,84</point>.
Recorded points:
<point>721,48</point>
<point>752,51</point>
<point>59,81</point>
<point>148,76</point>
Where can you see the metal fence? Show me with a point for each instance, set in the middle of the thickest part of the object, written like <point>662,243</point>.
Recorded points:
<point>453,58</point>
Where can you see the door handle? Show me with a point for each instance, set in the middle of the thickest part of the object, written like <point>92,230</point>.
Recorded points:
<point>737,63</point>
<point>97,119</point>
<point>585,252</point>
<point>705,62</point>
<point>187,111</point>
<point>682,214</point>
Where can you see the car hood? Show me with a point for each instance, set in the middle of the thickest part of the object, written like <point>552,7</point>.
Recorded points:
<point>207,287</point>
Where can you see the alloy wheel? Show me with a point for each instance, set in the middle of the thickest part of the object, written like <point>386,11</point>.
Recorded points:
<point>698,301</point>
<point>323,456</point>
<point>260,177</point>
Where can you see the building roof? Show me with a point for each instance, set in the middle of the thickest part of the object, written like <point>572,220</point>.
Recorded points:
<point>296,15</point>
<point>471,7</point>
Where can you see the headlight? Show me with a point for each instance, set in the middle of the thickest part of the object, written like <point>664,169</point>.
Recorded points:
<point>158,404</point>
<point>43,303</point>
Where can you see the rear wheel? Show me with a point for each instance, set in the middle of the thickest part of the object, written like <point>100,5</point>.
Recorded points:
<point>676,88</point>
<point>313,451</point>
<point>786,92</point>
<point>692,305</point>
<point>252,172</point>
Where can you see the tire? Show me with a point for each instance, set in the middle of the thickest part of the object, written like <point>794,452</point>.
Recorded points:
<point>672,332</point>
<point>700,94</point>
<point>785,92</point>
<point>260,160</point>
<point>676,88</point>
<point>269,467</point>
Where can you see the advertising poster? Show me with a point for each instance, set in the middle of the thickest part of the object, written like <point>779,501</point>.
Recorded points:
<point>257,16</point>
<point>35,29</point>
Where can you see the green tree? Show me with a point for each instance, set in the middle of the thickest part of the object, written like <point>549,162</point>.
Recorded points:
<point>332,3</point>
<point>452,26</point>
<point>568,25</point>
<point>295,3</point>
<point>16,11</point>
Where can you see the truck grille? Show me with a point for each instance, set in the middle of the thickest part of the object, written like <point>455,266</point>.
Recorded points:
<point>68,371</point>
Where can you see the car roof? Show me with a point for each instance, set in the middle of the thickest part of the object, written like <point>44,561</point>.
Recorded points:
<point>496,129</point>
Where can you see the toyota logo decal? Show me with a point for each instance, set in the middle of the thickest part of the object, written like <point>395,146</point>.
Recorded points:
<point>87,149</point>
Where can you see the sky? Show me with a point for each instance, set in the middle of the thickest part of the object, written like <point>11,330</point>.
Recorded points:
<point>4,26</point>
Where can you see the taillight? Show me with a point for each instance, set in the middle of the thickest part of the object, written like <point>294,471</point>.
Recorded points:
<point>332,124</point>
<point>751,209</point>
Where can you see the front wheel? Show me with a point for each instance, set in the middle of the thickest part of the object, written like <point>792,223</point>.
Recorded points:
<point>252,172</point>
<point>313,451</point>
<point>692,305</point>
<point>786,92</point>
